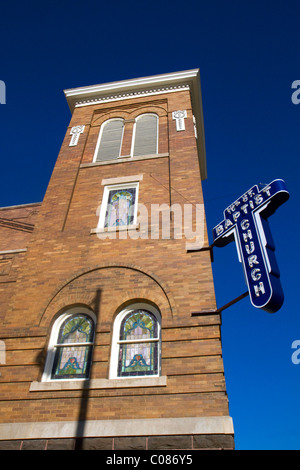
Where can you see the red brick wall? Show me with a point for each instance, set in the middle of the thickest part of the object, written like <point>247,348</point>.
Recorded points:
<point>16,226</point>
<point>68,265</point>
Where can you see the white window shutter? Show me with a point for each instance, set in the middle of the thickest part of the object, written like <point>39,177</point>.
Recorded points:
<point>145,135</point>
<point>111,139</point>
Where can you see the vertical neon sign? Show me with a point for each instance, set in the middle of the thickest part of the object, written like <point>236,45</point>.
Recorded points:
<point>245,221</point>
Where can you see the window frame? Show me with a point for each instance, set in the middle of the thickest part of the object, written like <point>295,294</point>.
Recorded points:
<point>134,134</point>
<point>105,198</point>
<point>103,125</point>
<point>54,345</point>
<point>115,343</point>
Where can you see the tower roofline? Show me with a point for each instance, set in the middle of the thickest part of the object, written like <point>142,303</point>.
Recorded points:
<point>145,86</point>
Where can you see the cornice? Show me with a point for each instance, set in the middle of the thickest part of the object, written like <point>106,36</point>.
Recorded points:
<point>123,96</point>
<point>126,89</point>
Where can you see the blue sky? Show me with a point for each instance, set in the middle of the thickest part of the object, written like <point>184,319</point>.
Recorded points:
<point>248,55</point>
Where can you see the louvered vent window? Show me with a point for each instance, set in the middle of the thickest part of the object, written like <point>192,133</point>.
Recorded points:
<point>146,132</point>
<point>111,135</point>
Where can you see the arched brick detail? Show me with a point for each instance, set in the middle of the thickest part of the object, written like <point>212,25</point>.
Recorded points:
<point>159,110</point>
<point>98,120</point>
<point>73,292</point>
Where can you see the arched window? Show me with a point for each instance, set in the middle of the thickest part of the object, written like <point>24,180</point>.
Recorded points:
<point>110,140</point>
<point>145,136</point>
<point>136,342</point>
<point>70,346</point>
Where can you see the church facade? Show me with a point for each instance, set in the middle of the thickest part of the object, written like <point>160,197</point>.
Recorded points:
<point>100,281</point>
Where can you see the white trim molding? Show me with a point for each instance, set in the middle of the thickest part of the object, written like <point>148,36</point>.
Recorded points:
<point>118,427</point>
<point>126,96</point>
<point>179,117</point>
<point>75,133</point>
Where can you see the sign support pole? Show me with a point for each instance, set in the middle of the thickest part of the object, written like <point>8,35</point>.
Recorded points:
<point>220,310</point>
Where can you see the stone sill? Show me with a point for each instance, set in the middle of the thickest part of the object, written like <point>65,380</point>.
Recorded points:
<point>124,159</point>
<point>97,384</point>
<point>118,228</point>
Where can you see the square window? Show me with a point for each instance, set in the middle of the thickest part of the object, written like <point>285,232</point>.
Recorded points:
<point>119,206</point>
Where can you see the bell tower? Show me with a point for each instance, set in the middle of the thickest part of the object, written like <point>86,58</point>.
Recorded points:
<point>103,350</point>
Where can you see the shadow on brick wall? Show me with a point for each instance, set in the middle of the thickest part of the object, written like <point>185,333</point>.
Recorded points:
<point>84,399</point>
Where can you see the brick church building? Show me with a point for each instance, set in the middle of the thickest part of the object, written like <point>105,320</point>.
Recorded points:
<point>98,283</point>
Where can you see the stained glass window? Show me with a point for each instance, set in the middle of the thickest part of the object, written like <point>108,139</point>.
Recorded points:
<point>74,348</point>
<point>120,207</point>
<point>138,345</point>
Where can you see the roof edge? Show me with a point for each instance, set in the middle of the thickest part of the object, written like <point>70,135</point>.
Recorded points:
<point>170,79</point>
